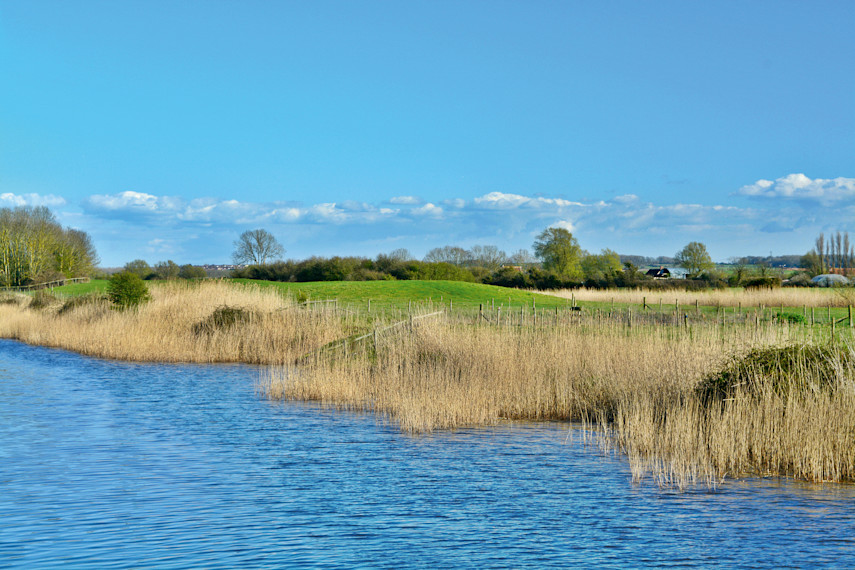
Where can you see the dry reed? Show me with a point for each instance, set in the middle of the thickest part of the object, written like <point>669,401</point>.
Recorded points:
<point>180,324</point>
<point>638,385</point>
<point>787,296</point>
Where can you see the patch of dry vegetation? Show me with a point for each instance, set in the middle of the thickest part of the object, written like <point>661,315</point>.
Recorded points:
<point>185,322</point>
<point>640,386</point>
<point>787,296</point>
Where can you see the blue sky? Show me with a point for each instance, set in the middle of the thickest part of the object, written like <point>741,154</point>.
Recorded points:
<point>165,129</point>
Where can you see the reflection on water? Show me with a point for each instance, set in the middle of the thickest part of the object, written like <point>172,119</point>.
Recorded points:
<point>110,464</point>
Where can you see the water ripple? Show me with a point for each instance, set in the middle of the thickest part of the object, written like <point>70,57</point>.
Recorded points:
<point>108,464</point>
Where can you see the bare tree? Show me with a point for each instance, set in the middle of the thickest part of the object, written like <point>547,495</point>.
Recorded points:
<point>448,254</point>
<point>256,247</point>
<point>400,254</point>
<point>488,256</point>
<point>523,257</point>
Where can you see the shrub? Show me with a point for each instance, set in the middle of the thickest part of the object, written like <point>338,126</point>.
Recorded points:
<point>43,299</point>
<point>786,370</point>
<point>792,317</point>
<point>763,283</point>
<point>224,318</point>
<point>127,289</point>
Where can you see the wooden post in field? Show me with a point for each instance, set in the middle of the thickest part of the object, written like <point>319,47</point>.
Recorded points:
<point>850,316</point>
<point>492,304</point>
<point>480,313</point>
<point>812,315</point>
<point>804,312</point>
<point>644,303</point>
<point>660,304</point>
<point>829,310</point>
<point>375,341</point>
<point>409,307</point>
<point>696,307</point>
<point>534,306</point>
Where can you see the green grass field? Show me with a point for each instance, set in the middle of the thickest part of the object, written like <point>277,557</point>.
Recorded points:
<point>393,296</point>
<point>383,294</point>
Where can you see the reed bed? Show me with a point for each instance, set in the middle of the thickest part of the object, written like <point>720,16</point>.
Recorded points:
<point>209,321</point>
<point>638,387</point>
<point>746,298</point>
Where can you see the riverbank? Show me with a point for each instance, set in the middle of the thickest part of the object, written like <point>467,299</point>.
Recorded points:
<point>208,321</point>
<point>635,377</point>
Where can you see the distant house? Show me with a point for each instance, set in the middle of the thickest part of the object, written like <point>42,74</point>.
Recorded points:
<point>661,273</point>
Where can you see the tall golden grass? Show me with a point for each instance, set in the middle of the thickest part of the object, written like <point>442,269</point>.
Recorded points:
<point>639,386</point>
<point>786,296</point>
<point>178,325</point>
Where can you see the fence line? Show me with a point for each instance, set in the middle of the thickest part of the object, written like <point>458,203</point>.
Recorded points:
<point>47,285</point>
<point>345,343</point>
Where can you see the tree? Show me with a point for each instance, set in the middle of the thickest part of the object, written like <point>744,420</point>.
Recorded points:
<point>256,247</point>
<point>522,257</point>
<point>192,272</point>
<point>139,267</point>
<point>448,254</point>
<point>560,252</point>
<point>488,256</point>
<point>603,267</point>
<point>694,259</point>
<point>127,289</point>
<point>34,247</point>
<point>166,269</point>
<point>400,254</point>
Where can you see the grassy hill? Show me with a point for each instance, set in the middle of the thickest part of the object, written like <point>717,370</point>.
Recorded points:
<point>383,293</point>
<point>400,293</point>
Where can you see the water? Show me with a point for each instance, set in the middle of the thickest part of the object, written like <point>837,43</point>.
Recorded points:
<point>106,464</point>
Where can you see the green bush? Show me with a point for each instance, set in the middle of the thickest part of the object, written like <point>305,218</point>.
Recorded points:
<point>792,318</point>
<point>127,289</point>
<point>763,283</point>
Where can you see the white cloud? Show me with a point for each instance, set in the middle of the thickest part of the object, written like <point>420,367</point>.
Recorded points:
<point>406,200</point>
<point>503,201</point>
<point>428,210</point>
<point>564,224</point>
<point>8,199</point>
<point>799,187</point>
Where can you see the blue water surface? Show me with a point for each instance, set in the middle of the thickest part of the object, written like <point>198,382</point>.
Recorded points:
<point>107,464</point>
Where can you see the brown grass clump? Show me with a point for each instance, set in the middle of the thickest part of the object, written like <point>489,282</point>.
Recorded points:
<point>184,322</point>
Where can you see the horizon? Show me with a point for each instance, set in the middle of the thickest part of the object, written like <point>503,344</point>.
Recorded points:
<point>165,130</point>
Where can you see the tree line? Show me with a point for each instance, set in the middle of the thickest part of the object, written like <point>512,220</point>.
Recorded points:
<point>35,248</point>
<point>557,261</point>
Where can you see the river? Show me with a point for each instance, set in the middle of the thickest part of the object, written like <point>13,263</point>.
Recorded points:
<point>115,465</point>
